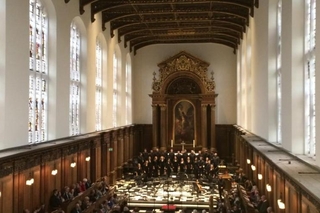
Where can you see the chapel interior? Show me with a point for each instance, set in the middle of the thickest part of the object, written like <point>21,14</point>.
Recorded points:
<point>159,106</point>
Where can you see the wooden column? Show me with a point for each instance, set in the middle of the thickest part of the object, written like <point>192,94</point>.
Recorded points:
<point>163,127</point>
<point>155,126</point>
<point>213,127</point>
<point>204,125</point>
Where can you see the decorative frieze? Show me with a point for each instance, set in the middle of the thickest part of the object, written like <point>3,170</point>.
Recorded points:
<point>6,169</point>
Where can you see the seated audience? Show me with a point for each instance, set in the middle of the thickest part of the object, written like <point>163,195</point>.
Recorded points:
<point>77,208</point>
<point>55,200</point>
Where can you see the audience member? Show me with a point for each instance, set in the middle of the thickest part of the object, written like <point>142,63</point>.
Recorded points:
<point>263,205</point>
<point>77,208</point>
<point>55,200</point>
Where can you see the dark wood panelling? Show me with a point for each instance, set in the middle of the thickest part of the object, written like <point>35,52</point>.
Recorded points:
<point>225,141</point>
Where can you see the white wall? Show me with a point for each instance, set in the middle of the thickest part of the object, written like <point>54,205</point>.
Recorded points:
<point>14,73</point>
<point>256,65</point>
<point>221,59</point>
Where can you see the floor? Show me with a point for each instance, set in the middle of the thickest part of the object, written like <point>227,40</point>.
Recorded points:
<point>159,193</point>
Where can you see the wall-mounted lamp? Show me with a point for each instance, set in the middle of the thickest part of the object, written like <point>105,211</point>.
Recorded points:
<point>73,164</point>
<point>54,172</point>
<point>268,187</point>
<point>253,167</point>
<point>281,204</point>
<point>248,161</point>
<point>30,181</point>
<point>260,176</point>
<point>88,158</point>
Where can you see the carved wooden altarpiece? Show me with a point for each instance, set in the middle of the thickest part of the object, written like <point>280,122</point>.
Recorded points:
<point>183,104</point>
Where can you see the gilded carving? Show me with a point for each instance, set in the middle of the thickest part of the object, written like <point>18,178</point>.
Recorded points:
<point>186,63</point>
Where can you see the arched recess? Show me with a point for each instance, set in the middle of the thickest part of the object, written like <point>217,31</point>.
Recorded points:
<point>183,104</point>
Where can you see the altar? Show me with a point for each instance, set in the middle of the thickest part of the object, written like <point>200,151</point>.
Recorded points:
<point>183,104</point>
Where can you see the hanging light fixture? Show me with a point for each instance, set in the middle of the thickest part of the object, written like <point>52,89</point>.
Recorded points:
<point>253,167</point>
<point>248,161</point>
<point>88,158</point>
<point>260,176</point>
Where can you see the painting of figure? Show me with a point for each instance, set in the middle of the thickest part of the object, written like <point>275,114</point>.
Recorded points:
<point>184,122</point>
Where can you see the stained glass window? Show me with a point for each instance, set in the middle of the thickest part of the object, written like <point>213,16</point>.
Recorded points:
<point>310,77</point>
<point>74,80</point>
<point>128,92</point>
<point>98,86</point>
<point>115,90</point>
<point>279,93</point>
<point>38,73</point>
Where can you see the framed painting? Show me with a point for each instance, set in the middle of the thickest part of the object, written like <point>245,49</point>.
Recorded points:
<point>184,118</point>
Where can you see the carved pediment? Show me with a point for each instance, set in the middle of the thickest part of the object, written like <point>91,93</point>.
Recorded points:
<point>183,64</point>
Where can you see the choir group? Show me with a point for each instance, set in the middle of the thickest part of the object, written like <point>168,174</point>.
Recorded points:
<point>157,163</point>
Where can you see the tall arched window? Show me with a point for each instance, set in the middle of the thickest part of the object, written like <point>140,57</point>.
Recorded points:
<point>98,85</point>
<point>74,80</point>
<point>115,90</point>
<point>38,72</point>
<point>279,81</point>
<point>310,92</point>
<point>128,92</point>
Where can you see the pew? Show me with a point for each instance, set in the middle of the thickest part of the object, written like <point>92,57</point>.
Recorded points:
<point>249,207</point>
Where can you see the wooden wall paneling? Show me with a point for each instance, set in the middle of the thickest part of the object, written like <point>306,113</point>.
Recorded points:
<point>256,164</point>
<point>119,153</point>
<point>307,206</point>
<point>19,186</point>
<point>30,191</point>
<point>6,194</point>
<point>262,168</point>
<point>36,188</point>
<point>108,153</point>
<point>292,198</point>
<point>81,165</point>
<point>91,166</point>
<point>98,159</point>
<point>241,157</point>
<point>112,155</point>
<point>131,143</point>
<point>276,189</point>
<point>146,139</point>
<point>86,165</point>
<point>224,141</point>
<point>49,178</point>
<point>103,155</point>
<point>286,198</point>
<point>304,205</point>
<point>71,173</point>
<point>268,179</point>
<point>126,148</point>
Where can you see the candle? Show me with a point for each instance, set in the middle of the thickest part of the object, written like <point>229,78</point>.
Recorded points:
<point>193,143</point>
<point>171,143</point>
